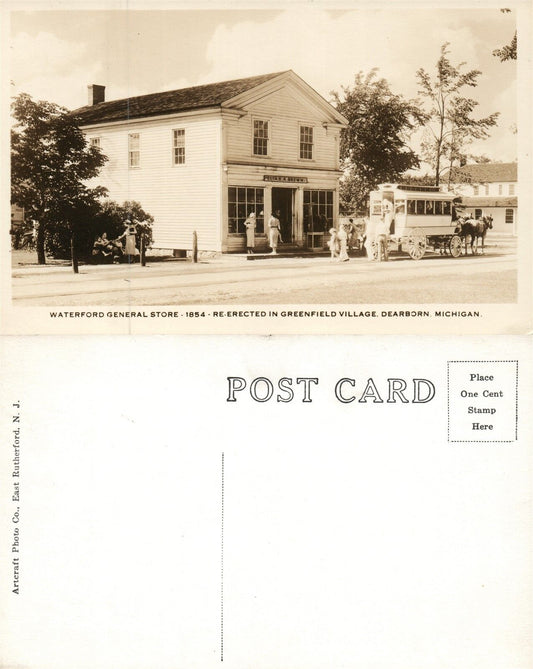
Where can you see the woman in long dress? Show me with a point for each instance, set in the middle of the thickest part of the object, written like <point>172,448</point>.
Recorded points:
<point>250,224</point>
<point>130,236</point>
<point>273,231</point>
<point>333,243</point>
<point>342,236</point>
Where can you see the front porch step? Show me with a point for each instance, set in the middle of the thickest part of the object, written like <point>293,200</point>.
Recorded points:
<point>292,252</point>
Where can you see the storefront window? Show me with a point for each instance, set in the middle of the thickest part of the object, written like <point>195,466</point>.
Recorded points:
<point>241,202</point>
<point>318,210</point>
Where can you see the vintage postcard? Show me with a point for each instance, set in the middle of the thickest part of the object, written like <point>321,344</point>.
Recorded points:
<point>257,168</point>
<point>266,502</point>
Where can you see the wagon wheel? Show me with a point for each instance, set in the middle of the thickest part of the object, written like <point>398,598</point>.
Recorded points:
<point>416,245</point>
<point>455,245</point>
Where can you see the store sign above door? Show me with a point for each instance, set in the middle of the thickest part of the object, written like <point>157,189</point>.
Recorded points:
<point>286,180</point>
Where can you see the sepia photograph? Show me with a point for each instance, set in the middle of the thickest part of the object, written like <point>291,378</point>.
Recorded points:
<point>266,157</point>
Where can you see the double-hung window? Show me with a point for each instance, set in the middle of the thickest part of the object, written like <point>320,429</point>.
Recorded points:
<point>95,141</point>
<point>134,149</point>
<point>511,189</point>
<point>306,142</point>
<point>178,146</point>
<point>261,137</point>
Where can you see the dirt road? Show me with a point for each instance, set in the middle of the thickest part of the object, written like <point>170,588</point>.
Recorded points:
<point>234,280</point>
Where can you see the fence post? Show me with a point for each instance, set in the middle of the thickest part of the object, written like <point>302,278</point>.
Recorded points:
<point>194,247</point>
<point>74,253</point>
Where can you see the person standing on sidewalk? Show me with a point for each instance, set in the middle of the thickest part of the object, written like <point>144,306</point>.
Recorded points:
<point>273,231</point>
<point>130,238</point>
<point>250,224</point>
<point>342,236</point>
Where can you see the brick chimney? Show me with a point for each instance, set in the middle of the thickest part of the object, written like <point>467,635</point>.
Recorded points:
<point>96,94</point>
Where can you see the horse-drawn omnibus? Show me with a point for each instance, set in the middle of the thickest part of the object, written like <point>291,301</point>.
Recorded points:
<point>422,217</point>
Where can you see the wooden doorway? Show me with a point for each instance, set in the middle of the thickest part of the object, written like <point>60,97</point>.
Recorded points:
<point>283,201</point>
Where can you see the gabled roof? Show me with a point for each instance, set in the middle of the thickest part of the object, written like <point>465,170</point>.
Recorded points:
<point>482,173</point>
<point>169,102</point>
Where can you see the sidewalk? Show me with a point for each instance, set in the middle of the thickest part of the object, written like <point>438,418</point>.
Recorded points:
<point>27,265</point>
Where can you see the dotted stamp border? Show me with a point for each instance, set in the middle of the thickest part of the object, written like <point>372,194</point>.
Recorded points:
<point>482,441</point>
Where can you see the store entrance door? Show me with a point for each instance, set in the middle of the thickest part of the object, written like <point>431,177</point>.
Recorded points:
<point>282,201</point>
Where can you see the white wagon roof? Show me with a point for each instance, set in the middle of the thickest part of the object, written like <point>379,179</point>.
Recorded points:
<point>416,192</point>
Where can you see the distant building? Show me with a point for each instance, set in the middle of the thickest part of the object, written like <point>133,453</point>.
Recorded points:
<point>488,188</point>
<point>203,158</point>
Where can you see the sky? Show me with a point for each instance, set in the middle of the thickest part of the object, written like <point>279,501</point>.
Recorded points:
<point>56,54</point>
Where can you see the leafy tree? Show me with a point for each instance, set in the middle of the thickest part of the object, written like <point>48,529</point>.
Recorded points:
<point>91,223</point>
<point>450,125</point>
<point>419,179</point>
<point>509,51</point>
<point>373,147</point>
<point>50,163</point>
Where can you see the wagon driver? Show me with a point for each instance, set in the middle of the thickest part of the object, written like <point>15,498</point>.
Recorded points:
<point>382,231</point>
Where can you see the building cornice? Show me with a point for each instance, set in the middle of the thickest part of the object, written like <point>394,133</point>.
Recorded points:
<point>210,111</point>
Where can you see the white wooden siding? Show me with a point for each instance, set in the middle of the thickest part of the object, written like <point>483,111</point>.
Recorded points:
<point>181,198</point>
<point>286,110</point>
<point>469,189</point>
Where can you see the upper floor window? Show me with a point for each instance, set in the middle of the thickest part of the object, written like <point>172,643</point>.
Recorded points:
<point>306,142</point>
<point>476,190</point>
<point>134,149</point>
<point>486,189</point>
<point>261,137</point>
<point>500,189</point>
<point>511,189</point>
<point>178,144</point>
<point>509,217</point>
<point>95,141</point>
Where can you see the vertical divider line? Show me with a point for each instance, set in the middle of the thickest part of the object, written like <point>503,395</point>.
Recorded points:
<point>222,565</point>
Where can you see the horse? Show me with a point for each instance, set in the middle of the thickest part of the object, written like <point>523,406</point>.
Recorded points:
<point>483,226</point>
<point>476,230</point>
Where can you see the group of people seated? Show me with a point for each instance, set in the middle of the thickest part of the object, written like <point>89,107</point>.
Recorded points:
<point>111,250</point>
<point>107,250</point>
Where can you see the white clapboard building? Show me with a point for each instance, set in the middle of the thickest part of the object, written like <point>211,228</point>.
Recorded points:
<point>488,189</point>
<point>203,158</point>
